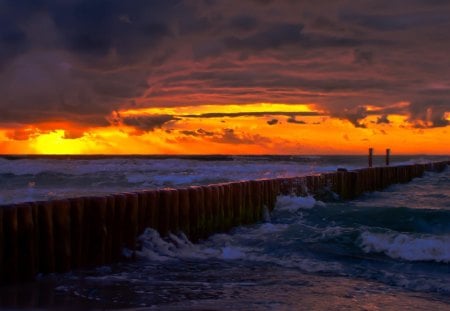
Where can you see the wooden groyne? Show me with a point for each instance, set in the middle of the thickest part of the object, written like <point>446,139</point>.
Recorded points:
<point>67,234</point>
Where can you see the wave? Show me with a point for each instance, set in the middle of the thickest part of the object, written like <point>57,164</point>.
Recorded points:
<point>407,246</point>
<point>81,175</point>
<point>294,203</point>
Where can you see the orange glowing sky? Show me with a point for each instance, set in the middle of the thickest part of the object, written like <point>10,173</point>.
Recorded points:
<point>219,77</point>
<point>237,129</point>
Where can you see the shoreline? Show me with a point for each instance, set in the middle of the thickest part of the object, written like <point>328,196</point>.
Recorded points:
<point>303,291</point>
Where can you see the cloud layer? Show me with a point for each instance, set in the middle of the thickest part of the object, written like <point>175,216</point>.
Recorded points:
<point>80,60</point>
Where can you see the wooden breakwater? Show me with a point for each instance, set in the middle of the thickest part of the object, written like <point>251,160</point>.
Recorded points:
<point>67,234</point>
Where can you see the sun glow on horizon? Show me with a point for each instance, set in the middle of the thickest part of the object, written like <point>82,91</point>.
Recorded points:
<point>230,108</point>
<point>262,128</point>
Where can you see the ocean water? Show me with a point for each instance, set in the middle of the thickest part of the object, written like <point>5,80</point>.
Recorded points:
<point>387,250</point>
<point>32,178</point>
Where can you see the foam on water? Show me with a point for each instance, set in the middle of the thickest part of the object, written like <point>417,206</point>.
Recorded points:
<point>78,176</point>
<point>407,246</point>
<point>395,240</point>
<point>294,203</point>
<point>179,247</point>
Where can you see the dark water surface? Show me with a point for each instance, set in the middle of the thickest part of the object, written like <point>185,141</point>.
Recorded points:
<point>33,178</point>
<point>388,250</point>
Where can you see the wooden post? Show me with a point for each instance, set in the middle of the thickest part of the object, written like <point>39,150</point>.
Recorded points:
<point>78,227</point>
<point>274,192</point>
<point>153,209</point>
<point>96,211</point>
<point>255,195</point>
<point>184,210</point>
<point>110,222</point>
<point>165,205</point>
<point>196,209</point>
<point>1,246</point>
<point>388,154</point>
<point>175,212</point>
<point>218,199</point>
<point>46,237</point>
<point>237,203</point>
<point>209,224</point>
<point>26,242</point>
<point>370,156</point>
<point>131,220</point>
<point>62,239</point>
<point>10,243</point>
<point>142,211</point>
<point>228,206</point>
<point>248,203</point>
<point>118,234</point>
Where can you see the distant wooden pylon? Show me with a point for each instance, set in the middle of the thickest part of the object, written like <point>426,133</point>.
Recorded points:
<point>370,157</point>
<point>388,154</point>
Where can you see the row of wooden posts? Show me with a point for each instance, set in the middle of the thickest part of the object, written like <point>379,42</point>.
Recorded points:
<point>61,235</point>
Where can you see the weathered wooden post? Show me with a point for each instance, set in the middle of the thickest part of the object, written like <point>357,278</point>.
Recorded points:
<point>238,194</point>
<point>120,205</point>
<point>197,215</point>
<point>46,237</point>
<point>10,244</point>
<point>228,206</point>
<point>184,210</point>
<point>370,157</point>
<point>388,154</point>
<point>208,205</point>
<point>78,227</point>
<point>96,212</point>
<point>62,239</point>
<point>110,223</point>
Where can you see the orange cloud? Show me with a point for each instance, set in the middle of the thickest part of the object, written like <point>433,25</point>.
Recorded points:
<point>228,129</point>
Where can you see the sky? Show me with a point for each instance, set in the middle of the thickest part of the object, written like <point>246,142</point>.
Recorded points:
<point>224,76</point>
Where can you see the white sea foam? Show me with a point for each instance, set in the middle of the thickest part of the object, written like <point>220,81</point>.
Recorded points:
<point>294,203</point>
<point>244,243</point>
<point>100,176</point>
<point>75,177</point>
<point>407,246</point>
<point>179,247</point>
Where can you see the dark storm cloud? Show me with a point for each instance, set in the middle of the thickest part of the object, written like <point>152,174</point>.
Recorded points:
<point>277,78</point>
<point>189,133</point>
<point>204,133</point>
<point>148,122</point>
<point>243,23</point>
<point>383,119</point>
<point>229,136</point>
<point>199,132</point>
<point>363,57</point>
<point>79,60</point>
<point>249,114</point>
<point>429,113</point>
<point>395,22</point>
<point>292,119</point>
<point>224,136</point>
<point>94,27</point>
<point>274,37</point>
<point>355,116</point>
<point>272,122</point>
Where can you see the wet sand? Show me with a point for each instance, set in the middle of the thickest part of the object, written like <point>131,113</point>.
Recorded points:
<point>298,292</point>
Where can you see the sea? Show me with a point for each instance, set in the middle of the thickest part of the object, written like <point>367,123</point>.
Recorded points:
<point>386,250</point>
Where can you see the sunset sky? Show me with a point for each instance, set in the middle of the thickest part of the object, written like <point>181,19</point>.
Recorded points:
<point>224,76</point>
